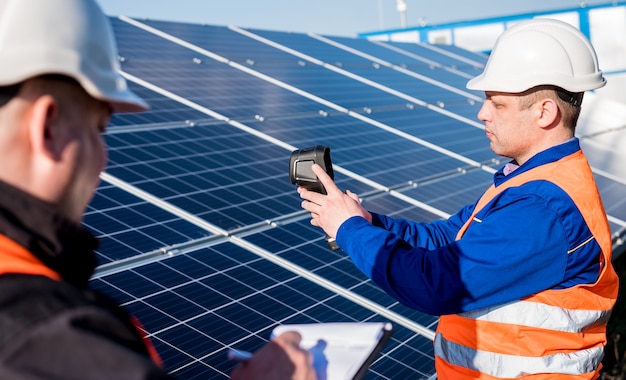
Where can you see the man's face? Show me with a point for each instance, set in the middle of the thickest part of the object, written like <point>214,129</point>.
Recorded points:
<point>508,128</point>
<point>84,154</point>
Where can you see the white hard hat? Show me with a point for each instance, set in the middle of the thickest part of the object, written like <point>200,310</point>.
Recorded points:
<point>67,37</point>
<point>540,52</point>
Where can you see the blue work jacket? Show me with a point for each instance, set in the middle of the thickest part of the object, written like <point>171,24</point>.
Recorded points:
<point>521,247</point>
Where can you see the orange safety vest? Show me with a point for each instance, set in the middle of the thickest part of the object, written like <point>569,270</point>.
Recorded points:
<point>554,334</point>
<point>17,259</point>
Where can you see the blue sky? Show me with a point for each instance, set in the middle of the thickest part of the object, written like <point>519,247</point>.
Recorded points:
<point>331,17</point>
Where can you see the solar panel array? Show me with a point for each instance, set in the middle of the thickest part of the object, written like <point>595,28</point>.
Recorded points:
<point>203,238</point>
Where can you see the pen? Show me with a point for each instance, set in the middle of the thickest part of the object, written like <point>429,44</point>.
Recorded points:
<point>239,355</point>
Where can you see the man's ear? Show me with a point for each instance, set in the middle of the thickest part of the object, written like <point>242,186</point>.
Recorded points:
<point>43,134</point>
<point>549,113</point>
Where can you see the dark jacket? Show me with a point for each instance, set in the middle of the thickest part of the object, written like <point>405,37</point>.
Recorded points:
<point>51,325</point>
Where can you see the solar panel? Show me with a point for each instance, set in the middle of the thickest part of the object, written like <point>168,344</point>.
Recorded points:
<point>203,235</point>
<point>128,226</point>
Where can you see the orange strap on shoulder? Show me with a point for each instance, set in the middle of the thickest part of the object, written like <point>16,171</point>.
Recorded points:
<point>17,259</point>
<point>154,354</point>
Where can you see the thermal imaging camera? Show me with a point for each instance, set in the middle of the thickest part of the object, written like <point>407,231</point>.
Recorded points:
<point>300,167</point>
<point>301,173</point>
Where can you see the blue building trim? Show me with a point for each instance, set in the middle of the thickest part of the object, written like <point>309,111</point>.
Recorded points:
<point>583,23</point>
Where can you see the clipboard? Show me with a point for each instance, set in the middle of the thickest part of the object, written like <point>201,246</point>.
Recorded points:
<point>341,350</point>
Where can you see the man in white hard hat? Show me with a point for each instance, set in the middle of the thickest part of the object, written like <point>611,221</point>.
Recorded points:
<point>522,279</point>
<point>59,85</point>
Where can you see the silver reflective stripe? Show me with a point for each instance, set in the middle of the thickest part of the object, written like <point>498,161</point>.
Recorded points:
<point>541,316</point>
<point>511,366</point>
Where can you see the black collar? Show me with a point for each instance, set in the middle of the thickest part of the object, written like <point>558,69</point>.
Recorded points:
<point>63,245</point>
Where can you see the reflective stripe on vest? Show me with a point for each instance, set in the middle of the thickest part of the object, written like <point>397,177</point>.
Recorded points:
<point>552,332</point>
<point>512,366</point>
<point>541,316</point>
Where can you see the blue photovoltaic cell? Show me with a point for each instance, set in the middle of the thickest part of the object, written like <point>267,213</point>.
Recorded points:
<point>128,226</point>
<point>224,89</point>
<point>454,136</point>
<point>613,198</point>
<point>420,122</point>
<point>197,305</point>
<point>304,246</point>
<point>451,193</point>
<point>385,76</point>
<point>163,111</point>
<point>449,56</point>
<point>367,150</point>
<point>288,68</point>
<point>205,240</point>
<point>221,174</point>
<point>419,59</point>
<point>232,179</point>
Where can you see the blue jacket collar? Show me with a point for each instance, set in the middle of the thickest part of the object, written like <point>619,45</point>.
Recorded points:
<point>545,157</point>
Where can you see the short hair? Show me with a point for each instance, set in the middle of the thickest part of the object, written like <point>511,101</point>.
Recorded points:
<point>569,103</point>
<point>8,92</point>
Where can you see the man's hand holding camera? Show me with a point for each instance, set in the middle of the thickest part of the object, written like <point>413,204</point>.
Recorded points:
<point>331,210</point>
